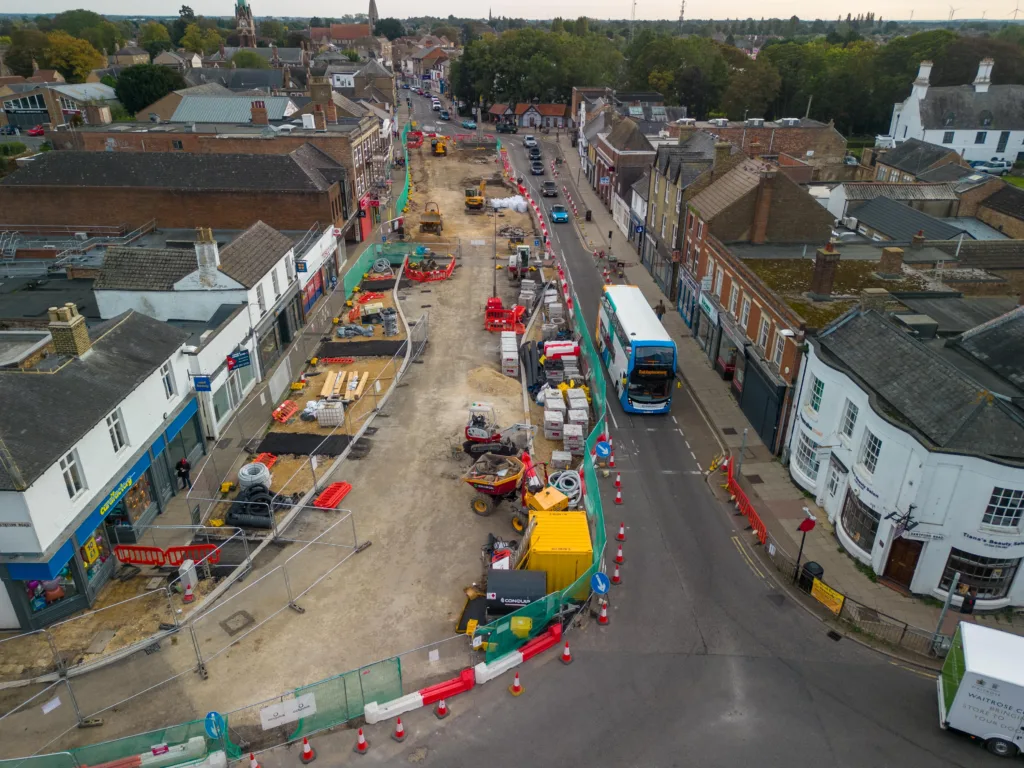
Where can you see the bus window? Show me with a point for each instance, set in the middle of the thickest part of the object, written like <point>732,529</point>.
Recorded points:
<point>654,356</point>
<point>650,386</point>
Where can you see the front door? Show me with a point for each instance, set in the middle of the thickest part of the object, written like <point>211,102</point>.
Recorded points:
<point>903,557</point>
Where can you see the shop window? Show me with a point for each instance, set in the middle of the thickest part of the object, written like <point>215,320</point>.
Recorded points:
<point>817,392</point>
<point>72,471</point>
<point>745,314</point>
<point>94,551</point>
<point>167,375</point>
<point>118,435</point>
<point>992,576</point>
<point>806,456</point>
<point>1004,508</point>
<point>133,506</point>
<point>870,452</point>
<point>849,419</point>
<point>860,522</point>
<point>42,594</point>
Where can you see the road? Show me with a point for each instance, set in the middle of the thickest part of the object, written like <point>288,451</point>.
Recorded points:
<point>706,663</point>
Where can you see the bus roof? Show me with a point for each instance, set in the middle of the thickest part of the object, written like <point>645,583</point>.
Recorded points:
<point>636,315</point>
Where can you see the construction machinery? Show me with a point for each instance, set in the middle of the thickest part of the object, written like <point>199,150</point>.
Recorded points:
<point>475,196</point>
<point>484,435</point>
<point>431,221</point>
<point>439,146</point>
<point>509,478</point>
<point>519,263</point>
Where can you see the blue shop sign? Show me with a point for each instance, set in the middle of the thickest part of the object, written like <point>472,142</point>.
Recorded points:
<point>182,418</point>
<point>93,521</point>
<point>238,360</point>
<point>201,383</point>
<point>43,571</point>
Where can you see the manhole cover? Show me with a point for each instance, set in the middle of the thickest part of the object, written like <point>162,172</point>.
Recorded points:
<point>754,479</point>
<point>728,430</point>
<point>236,622</point>
<point>225,443</point>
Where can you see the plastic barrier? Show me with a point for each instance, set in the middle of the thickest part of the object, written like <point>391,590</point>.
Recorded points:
<point>195,552</point>
<point>745,507</point>
<point>429,275</point>
<point>138,555</point>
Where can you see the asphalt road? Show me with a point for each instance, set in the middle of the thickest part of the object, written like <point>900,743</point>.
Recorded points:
<point>706,663</point>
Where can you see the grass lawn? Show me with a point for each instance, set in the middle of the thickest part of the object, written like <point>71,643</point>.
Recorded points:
<point>1017,181</point>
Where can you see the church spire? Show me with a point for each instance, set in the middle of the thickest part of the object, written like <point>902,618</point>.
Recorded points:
<point>374,17</point>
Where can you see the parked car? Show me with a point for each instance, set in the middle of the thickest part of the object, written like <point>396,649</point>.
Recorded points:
<point>529,141</point>
<point>436,106</point>
<point>507,128</point>
<point>471,124</point>
<point>549,189</point>
<point>37,131</point>
<point>405,86</point>
<point>559,214</point>
<point>537,169</point>
<point>8,130</point>
<point>444,115</point>
<point>995,166</point>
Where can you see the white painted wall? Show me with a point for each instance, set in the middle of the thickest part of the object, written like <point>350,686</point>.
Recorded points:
<point>143,413</point>
<point>269,295</point>
<point>639,207</point>
<point>196,305</point>
<point>210,362</point>
<point>316,255</point>
<point>8,618</point>
<point>620,212</point>
<point>837,201</point>
<point>949,492</point>
<point>16,531</point>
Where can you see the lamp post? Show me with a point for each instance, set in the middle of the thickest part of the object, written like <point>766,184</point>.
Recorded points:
<point>494,266</point>
<point>807,524</point>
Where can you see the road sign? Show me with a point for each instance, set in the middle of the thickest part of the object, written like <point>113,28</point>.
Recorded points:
<point>599,583</point>
<point>639,229</point>
<point>602,449</point>
<point>201,383</point>
<point>605,180</point>
<point>214,725</point>
<point>536,242</point>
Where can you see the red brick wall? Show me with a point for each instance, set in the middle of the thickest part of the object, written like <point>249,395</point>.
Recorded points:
<point>1008,225</point>
<point>828,145</point>
<point>793,217</point>
<point>970,199</point>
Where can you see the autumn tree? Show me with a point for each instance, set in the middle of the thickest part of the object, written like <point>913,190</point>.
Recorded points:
<point>27,45</point>
<point>72,57</point>
<point>200,41</point>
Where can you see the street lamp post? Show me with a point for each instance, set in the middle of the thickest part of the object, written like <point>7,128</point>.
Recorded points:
<point>807,524</point>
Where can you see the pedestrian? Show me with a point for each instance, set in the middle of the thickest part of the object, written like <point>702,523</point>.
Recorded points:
<point>969,600</point>
<point>660,311</point>
<point>184,470</point>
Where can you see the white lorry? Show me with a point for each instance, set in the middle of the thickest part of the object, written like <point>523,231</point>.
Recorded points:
<point>981,688</point>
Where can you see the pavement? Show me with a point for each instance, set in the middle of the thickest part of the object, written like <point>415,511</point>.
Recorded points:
<point>778,501</point>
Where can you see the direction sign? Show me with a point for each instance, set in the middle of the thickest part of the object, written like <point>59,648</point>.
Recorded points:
<point>605,180</point>
<point>214,725</point>
<point>599,583</point>
<point>639,229</point>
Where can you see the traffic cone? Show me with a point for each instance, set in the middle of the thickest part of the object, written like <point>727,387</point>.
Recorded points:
<point>189,597</point>
<point>516,689</point>
<point>566,655</point>
<point>308,755</point>
<point>362,745</point>
<point>619,559</point>
<point>618,496</point>
<point>399,734</point>
<point>616,578</point>
<point>611,458</point>
<point>441,711</point>
<point>602,618</point>
<point>621,535</point>
<point>252,761</point>
<point>618,479</point>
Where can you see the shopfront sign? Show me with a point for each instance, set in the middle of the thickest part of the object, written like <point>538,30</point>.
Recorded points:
<point>995,543</point>
<point>201,384</point>
<point>708,307</point>
<point>301,266</point>
<point>92,522</point>
<point>705,283</point>
<point>922,536</point>
<point>238,360</point>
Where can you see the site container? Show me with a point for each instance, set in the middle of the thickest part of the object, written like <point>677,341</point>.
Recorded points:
<point>560,546</point>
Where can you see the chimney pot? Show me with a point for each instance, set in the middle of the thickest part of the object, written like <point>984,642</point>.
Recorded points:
<point>917,241</point>
<point>259,113</point>
<point>891,264</point>
<point>826,260</point>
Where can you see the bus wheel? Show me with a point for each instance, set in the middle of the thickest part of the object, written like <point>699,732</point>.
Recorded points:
<point>1000,748</point>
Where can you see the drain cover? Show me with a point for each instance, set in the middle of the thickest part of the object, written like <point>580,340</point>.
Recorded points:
<point>754,479</point>
<point>236,622</point>
<point>728,430</point>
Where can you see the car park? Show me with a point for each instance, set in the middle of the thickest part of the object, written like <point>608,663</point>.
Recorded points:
<point>529,141</point>
<point>559,214</point>
<point>549,189</point>
<point>537,169</point>
<point>995,166</point>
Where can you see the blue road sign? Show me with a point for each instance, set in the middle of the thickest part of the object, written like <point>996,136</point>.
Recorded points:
<point>214,725</point>
<point>639,228</point>
<point>536,242</point>
<point>599,583</point>
<point>201,383</point>
<point>603,450</point>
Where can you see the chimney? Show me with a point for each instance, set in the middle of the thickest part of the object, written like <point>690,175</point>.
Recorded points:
<point>208,257</point>
<point>221,49</point>
<point>891,265</point>
<point>874,299</point>
<point>762,206</point>
<point>917,241</point>
<point>286,78</point>
<point>984,78</point>
<point>924,73</point>
<point>68,331</point>
<point>755,148</point>
<point>259,113</point>
<point>273,52</point>
<point>319,121</point>
<point>332,112</point>
<point>320,91</point>
<point>825,262</point>
<point>722,151</point>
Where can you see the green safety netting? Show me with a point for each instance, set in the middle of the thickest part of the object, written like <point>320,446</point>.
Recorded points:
<point>118,749</point>
<point>403,198</point>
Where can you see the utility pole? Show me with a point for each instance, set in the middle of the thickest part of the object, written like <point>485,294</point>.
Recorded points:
<point>945,608</point>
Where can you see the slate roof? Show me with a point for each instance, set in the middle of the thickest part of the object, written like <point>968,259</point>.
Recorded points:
<point>252,254</point>
<point>956,314</point>
<point>125,352</point>
<point>914,156</point>
<point>731,187</point>
<point>896,191</point>
<point>642,186</point>
<point>680,164</point>
<point>179,170</point>
<point>947,172</point>
<point>1004,105</point>
<point>998,345</point>
<point>626,136</point>
<point>284,55</point>
<point>132,50</point>
<point>596,125</point>
<point>1009,201</point>
<point>900,222</point>
<point>235,108</point>
<point>236,79</point>
<point>915,387</point>
<point>204,89</point>
<point>144,269</point>
<point>374,68</point>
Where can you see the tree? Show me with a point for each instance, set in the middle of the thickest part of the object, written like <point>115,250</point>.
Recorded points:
<point>446,30</point>
<point>582,26</point>
<point>143,84</point>
<point>350,54</point>
<point>390,28</point>
<point>468,34</point>
<point>109,80</point>
<point>186,16</point>
<point>155,38</point>
<point>249,60</point>
<point>751,90</point>
<point>72,57</point>
<point>296,39</point>
<point>556,25</point>
<point>274,30</point>
<point>200,41</point>
<point>105,36</point>
<point>76,22</point>
<point>26,45</point>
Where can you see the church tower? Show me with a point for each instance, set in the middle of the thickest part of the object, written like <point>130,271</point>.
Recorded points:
<point>374,16</point>
<point>244,24</point>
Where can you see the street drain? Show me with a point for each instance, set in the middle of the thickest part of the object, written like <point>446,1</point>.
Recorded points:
<point>833,635</point>
<point>728,430</point>
<point>754,479</point>
<point>236,622</point>
<point>225,443</point>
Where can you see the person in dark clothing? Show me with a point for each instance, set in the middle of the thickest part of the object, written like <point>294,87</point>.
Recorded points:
<point>660,311</point>
<point>184,469</point>
<point>969,600</point>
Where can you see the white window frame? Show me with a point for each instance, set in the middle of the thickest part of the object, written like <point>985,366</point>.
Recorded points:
<point>870,452</point>
<point>675,235</point>
<point>763,332</point>
<point>167,376</point>
<point>815,394</point>
<point>276,283</point>
<point>657,177</point>
<point>734,295</point>
<point>780,348</point>
<point>116,430</point>
<point>663,220</point>
<point>700,231</point>
<point>74,478</point>
<point>833,483</point>
<point>849,422</point>
<point>1001,502</point>
<point>666,192</point>
<point>289,267</point>
<point>719,279</point>
<point>679,200</point>
<point>260,299</point>
<point>745,314</point>
<point>805,455</point>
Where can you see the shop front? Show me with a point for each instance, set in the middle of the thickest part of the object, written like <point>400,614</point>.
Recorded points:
<point>686,297</point>
<point>731,348</point>
<point>663,271</point>
<point>636,231</point>
<point>317,271</point>
<point>279,327</point>
<point>708,331</point>
<point>70,580</point>
<point>761,396</point>
<point>369,215</point>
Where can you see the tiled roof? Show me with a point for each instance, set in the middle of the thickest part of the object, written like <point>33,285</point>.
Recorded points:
<point>319,33</point>
<point>871,189</point>
<point>627,137</point>
<point>725,191</point>
<point>205,89</point>
<point>350,31</point>
<point>913,386</point>
<point>998,345</point>
<point>1009,201</point>
<point>498,109</point>
<point>947,172</point>
<point>552,110</point>
<point>900,222</point>
<point>132,50</point>
<point>914,156</point>
<point>144,269</point>
<point>253,253</point>
<point>960,107</point>
<point>229,109</point>
<point>235,79</point>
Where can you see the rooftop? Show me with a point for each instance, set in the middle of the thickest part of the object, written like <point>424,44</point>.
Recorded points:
<point>956,314</point>
<point>236,108</point>
<point>914,156</point>
<point>24,298</point>
<point>1009,200</point>
<point>249,257</point>
<point>960,107</point>
<point>869,190</point>
<point>726,190</point>
<point>235,79</point>
<point>901,223</point>
<point>345,125</point>
<point>998,345</point>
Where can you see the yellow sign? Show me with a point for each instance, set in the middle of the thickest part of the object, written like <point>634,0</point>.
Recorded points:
<point>827,596</point>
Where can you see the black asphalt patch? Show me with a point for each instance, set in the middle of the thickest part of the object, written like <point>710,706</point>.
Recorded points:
<point>374,348</point>
<point>298,444</point>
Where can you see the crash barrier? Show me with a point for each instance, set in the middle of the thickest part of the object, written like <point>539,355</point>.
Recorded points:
<point>739,496</point>
<point>153,556</point>
<point>429,275</point>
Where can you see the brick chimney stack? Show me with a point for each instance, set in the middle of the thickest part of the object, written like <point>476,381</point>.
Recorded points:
<point>68,331</point>
<point>891,264</point>
<point>722,150</point>
<point>331,111</point>
<point>825,262</point>
<point>320,91</point>
<point>319,120</point>
<point>756,148</point>
<point>259,113</point>
<point>762,206</point>
<point>207,256</point>
<point>874,298</point>
<point>917,241</point>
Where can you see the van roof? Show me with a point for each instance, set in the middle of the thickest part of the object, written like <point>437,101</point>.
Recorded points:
<point>992,653</point>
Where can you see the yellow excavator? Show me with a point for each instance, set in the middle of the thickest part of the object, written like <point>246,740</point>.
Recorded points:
<point>475,196</point>
<point>439,146</point>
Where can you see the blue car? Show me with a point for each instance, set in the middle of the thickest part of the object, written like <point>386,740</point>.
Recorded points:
<point>471,124</point>
<point>559,214</point>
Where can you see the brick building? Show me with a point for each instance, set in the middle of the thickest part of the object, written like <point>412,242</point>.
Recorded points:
<point>810,141</point>
<point>620,147</point>
<point>907,161</point>
<point>227,191</point>
<point>1003,209</point>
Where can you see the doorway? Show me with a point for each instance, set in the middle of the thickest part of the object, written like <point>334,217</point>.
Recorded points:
<point>903,557</point>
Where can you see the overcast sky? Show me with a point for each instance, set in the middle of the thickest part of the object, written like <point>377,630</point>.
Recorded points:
<point>538,9</point>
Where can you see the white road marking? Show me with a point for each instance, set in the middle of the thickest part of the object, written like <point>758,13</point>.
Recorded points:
<point>699,470</point>
<point>692,454</point>
<point>612,414</point>
<point>674,420</point>
<point>687,444</point>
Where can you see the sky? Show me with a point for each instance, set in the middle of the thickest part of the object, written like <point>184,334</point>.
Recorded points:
<point>541,9</point>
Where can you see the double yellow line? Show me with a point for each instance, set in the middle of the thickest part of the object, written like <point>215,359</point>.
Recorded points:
<point>749,560</point>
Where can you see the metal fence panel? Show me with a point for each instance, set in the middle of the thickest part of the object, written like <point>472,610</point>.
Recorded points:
<point>54,760</point>
<point>129,746</point>
<point>27,656</point>
<point>44,714</point>
<point>436,662</point>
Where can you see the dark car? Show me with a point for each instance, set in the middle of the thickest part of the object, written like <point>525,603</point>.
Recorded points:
<point>8,130</point>
<point>534,153</point>
<point>549,189</point>
<point>537,169</point>
<point>507,128</point>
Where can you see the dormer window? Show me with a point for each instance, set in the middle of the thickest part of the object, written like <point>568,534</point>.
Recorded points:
<point>986,118</point>
<point>949,119</point>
